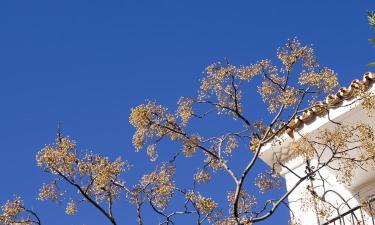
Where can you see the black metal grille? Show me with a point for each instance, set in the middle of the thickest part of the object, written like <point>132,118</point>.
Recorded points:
<point>359,215</point>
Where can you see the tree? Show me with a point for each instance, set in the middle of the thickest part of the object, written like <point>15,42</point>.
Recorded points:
<point>296,83</point>
<point>371,20</point>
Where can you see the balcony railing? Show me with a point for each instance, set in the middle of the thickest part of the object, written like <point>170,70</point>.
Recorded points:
<point>359,215</point>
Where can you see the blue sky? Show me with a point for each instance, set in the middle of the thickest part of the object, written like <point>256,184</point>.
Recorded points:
<point>86,63</point>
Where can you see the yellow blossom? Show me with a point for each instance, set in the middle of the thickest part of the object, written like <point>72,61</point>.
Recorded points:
<point>71,208</point>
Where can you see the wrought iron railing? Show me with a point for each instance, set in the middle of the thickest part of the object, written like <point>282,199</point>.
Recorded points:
<point>359,215</point>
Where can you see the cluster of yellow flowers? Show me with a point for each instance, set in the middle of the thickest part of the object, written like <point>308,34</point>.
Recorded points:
<point>308,200</point>
<point>190,145</point>
<point>153,121</point>
<point>368,206</point>
<point>324,210</point>
<point>338,138</point>
<point>11,210</point>
<point>145,118</point>
<point>103,176</point>
<point>158,186</point>
<point>325,79</point>
<point>269,93</point>
<point>202,176</point>
<point>219,82</point>
<point>301,147</point>
<point>185,109</point>
<point>246,73</point>
<point>246,202</point>
<point>50,192</point>
<point>152,153</point>
<point>293,51</point>
<point>14,212</point>
<point>59,158</point>
<point>368,103</point>
<point>289,97</point>
<point>213,162</point>
<point>234,221</point>
<point>312,202</point>
<point>203,204</point>
<point>267,181</point>
<point>71,208</point>
<point>95,175</point>
<point>340,142</point>
<point>366,138</point>
<point>254,143</point>
<point>274,90</point>
<point>274,96</point>
<point>232,144</point>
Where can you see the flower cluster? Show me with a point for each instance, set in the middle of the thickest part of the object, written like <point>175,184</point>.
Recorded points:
<point>50,192</point>
<point>153,121</point>
<point>301,147</point>
<point>254,143</point>
<point>14,212</point>
<point>158,187</point>
<point>294,51</point>
<point>59,158</point>
<point>71,208</point>
<point>246,202</point>
<point>267,181</point>
<point>366,136</point>
<point>202,204</point>
<point>103,176</point>
<point>368,103</point>
<point>147,119</point>
<point>11,210</point>
<point>232,144</point>
<point>202,176</point>
<point>274,96</point>
<point>152,153</point>
<point>185,109</point>
<point>325,79</point>
<point>341,143</point>
<point>214,162</point>
<point>220,82</point>
<point>94,176</point>
<point>190,145</point>
<point>234,221</point>
<point>274,89</point>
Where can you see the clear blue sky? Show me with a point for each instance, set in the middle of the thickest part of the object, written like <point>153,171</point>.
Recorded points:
<point>86,63</point>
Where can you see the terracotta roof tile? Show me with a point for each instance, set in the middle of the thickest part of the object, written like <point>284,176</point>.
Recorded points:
<point>321,108</point>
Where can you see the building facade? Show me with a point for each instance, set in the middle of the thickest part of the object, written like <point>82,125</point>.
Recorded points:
<point>344,202</point>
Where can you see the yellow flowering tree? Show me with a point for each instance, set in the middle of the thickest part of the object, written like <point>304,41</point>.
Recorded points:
<point>285,88</point>
<point>96,178</point>
<point>371,20</point>
<point>14,212</point>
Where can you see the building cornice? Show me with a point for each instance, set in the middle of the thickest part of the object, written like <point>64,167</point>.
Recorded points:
<point>332,101</point>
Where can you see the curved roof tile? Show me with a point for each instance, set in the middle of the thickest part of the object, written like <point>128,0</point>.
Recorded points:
<point>321,108</point>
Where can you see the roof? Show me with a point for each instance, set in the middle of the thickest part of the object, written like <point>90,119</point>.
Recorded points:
<point>332,101</point>
<point>341,105</point>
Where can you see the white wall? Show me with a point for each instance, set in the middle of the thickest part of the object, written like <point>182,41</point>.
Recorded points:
<point>363,183</point>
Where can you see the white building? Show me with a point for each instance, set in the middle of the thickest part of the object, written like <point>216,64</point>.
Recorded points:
<point>344,106</point>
